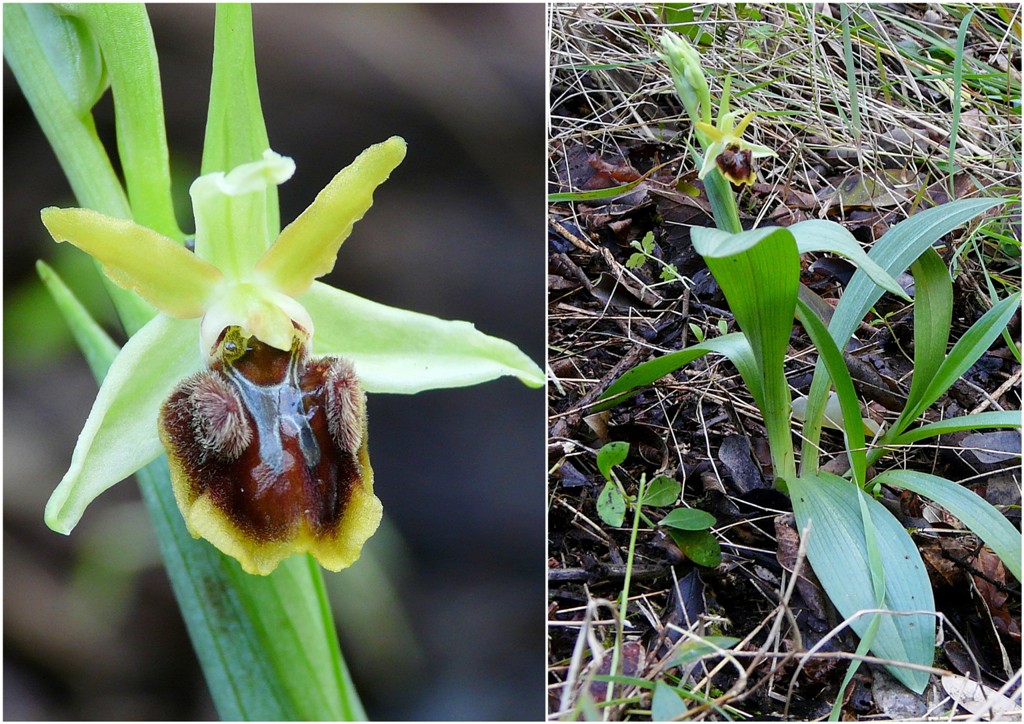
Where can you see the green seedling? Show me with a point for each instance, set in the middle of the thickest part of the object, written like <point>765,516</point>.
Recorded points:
<point>611,501</point>
<point>689,528</point>
<point>864,558</point>
<point>645,253</point>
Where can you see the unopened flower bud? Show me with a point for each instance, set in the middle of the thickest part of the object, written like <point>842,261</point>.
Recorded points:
<point>691,84</point>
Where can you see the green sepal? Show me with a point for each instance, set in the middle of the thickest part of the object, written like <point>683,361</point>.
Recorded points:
<point>399,351</point>
<point>120,433</point>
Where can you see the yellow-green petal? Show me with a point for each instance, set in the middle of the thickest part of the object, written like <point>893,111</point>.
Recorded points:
<point>157,268</point>
<point>307,247</point>
<point>230,210</point>
<point>743,124</point>
<point>120,435</point>
<point>398,351</point>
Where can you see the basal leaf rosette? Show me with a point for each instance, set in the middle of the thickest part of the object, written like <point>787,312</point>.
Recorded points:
<point>267,441</point>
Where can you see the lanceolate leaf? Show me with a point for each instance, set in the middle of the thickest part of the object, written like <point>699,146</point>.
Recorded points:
<point>968,349</point>
<point>853,427</point>
<point>977,514</point>
<point>733,345</point>
<point>815,235</point>
<point>837,550</point>
<point>894,253</point>
<point>759,273</point>
<point>980,421</point>
<point>933,309</point>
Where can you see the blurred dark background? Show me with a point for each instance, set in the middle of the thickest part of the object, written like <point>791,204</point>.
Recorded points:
<point>443,619</point>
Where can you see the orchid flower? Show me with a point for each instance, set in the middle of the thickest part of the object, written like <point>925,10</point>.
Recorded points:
<point>727,149</point>
<point>252,375</point>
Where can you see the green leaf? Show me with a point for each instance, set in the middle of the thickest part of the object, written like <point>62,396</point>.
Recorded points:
<point>611,506</point>
<point>663,490</point>
<point>974,511</point>
<point>688,519</point>
<point>115,441</point>
<point>734,346</point>
<point>635,261</point>
<point>980,421</point>
<point>894,252</point>
<point>666,704</point>
<point>700,546</point>
<point>129,53</point>
<point>853,426</point>
<point>837,550</point>
<point>96,345</point>
<point>610,455</point>
<point>759,273</point>
<point>816,235</point>
<point>974,343</point>
<point>933,310</point>
<point>399,351</point>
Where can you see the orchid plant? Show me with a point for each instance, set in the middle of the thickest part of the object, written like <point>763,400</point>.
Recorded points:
<point>866,561</point>
<point>249,373</point>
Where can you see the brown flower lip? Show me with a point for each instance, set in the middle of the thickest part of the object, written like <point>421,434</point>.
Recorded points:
<point>274,440</point>
<point>736,164</point>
